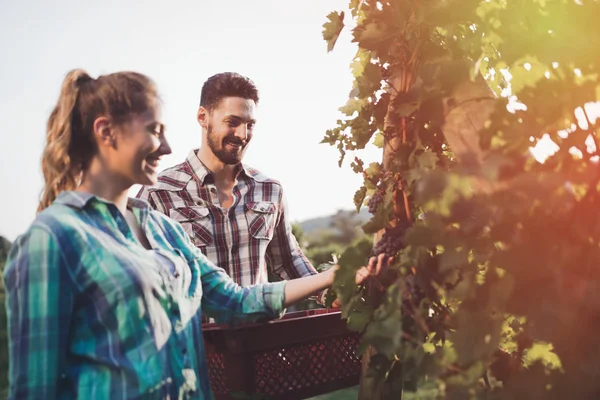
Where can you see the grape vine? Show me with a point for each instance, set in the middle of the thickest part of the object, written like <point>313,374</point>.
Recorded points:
<point>494,293</point>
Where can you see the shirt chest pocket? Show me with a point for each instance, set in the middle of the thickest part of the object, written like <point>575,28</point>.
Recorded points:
<point>196,222</point>
<point>261,218</point>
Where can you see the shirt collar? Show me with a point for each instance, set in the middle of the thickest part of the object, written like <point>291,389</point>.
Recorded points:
<point>203,174</point>
<point>82,199</point>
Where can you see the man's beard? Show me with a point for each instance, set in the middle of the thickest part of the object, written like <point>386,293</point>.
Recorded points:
<point>228,157</point>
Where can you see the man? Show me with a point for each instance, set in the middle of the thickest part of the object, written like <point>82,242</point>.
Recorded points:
<point>233,213</point>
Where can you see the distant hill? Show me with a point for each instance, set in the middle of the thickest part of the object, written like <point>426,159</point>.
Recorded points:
<point>313,225</point>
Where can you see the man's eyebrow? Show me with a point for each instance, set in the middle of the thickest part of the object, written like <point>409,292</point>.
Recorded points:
<point>237,118</point>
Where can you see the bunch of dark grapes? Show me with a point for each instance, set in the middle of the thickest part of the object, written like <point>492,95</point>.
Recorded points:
<point>374,201</point>
<point>392,240</point>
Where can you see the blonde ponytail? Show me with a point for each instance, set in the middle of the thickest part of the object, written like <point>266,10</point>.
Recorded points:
<point>60,172</point>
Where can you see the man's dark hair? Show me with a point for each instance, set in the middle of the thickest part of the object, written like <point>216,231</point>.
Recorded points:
<point>226,84</point>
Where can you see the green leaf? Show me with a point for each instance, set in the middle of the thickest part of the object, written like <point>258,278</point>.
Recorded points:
<point>382,215</point>
<point>361,132</point>
<point>379,140</point>
<point>359,197</point>
<point>522,77</point>
<point>330,297</point>
<point>371,34</point>
<point>374,170</point>
<point>357,166</point>
<point>427,160</point>
<point>360,315</point>
<point>342,153</point>
<point>420,236</point>
<point>331,137</point>
<point>477,335</point>
<point>406,109</point>
<point>361,60</point>
<point>452,258</point>
<point>344,284</point>
<point>385,332</point>
<point>377,222</point>
<point>352,106</point>
<point>332,28</point>
<point>405,104</point>
<point>369,81</point>
<point>388,199</point>
<point>450,12</point>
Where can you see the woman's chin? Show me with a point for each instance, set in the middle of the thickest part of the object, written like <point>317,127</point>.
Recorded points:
<point>148,179</point>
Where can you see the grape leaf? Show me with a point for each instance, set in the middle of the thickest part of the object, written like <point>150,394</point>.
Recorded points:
<point>359,197</point>
<point>427,160</point>
<point>371,34</point>
<point>352,106</point>
<point>333,28</point>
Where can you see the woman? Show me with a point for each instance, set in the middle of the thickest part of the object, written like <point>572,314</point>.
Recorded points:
<point>104,295</point>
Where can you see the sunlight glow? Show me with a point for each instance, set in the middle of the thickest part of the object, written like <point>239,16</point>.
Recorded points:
<point>590,145</point>
<point>581,118</point>
<point>593,111</point>
<point>515,105</point>
<point>543,149</point>
<point>576,152</point>
<point>546,147</point>
<point>506,74</point>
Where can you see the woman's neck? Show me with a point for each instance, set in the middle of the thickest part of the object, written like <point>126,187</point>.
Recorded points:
<point>105,187</point>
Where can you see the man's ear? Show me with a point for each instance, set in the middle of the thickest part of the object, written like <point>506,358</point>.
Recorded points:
<point>202,117</point>
<point>104,133</point>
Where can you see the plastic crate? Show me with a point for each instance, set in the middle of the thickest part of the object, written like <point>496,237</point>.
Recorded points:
<point>304,354</point>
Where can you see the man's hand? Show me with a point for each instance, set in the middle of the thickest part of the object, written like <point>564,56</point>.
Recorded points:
<point>373,268</point>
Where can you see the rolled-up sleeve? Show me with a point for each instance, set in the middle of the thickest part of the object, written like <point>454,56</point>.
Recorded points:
<point>39,306</point>
<point>227,302</point>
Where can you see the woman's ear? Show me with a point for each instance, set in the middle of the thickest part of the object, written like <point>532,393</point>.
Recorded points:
<point>104,132</point>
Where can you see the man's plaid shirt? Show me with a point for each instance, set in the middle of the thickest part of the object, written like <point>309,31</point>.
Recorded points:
<point>253,232</point>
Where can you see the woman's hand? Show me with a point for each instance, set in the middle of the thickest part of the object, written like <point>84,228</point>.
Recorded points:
<point>373,268</point>
<point>299,289</point>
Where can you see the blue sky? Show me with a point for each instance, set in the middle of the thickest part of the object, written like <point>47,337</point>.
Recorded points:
<point>179,44</point>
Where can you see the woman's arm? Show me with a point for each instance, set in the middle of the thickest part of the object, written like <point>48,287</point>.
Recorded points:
<point>301,288</point>
<point>39,303</point>
<point>227,302</point>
